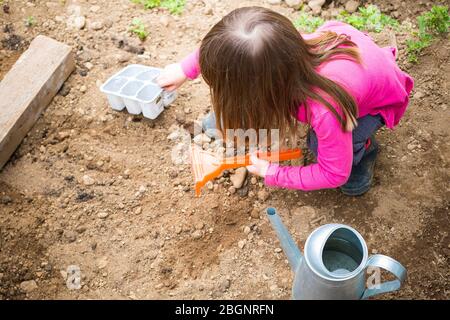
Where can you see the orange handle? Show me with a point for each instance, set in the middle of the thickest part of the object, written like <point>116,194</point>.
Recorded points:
<point>243,161</point>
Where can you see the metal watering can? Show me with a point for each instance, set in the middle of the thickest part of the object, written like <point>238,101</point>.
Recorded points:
<point>334,263</point>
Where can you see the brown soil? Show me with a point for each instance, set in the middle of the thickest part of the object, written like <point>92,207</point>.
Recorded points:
<point>158,240</point>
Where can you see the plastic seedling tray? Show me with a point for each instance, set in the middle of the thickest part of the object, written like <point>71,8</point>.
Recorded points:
<point>135,89</point>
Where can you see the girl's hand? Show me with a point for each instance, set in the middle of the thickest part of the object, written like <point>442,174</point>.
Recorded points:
<point>172,77</point>
<point>258,167</point>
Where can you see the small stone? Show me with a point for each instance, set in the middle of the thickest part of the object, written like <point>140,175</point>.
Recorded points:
<point>263,195</point>
<point>65,90</point>
<point>278,250</point>
<point>164,20</point>
<point>274,1</point>
<point>96,25</point>
<point>78,22</point>
<point>94,9</point>
<point>180,117</point>
<point>70,236</point>
<point>199,225</point>
<point>210,185</point>
<point>174,136</point>
<point>201,139</point>
<point>243,192</point>
<point>316,5</point>
<point>62,135</point>
<point>197,234</point>
<point>351,6</point>
<point>208,11</point>
<point>418,95</point>
<point>138,210</point>
<point>232,190</point>
<point>412,146</point>
<point>102,262</point>
<point>253,180</point>
<point>224,285</point>
<point>241,244</point>
<point>103,214</point>
<point>5,200</point>
<point>87,180</point>
<point>294,3</point>
<point>173,174</point>
<point>238,177</point>
<point>83,89</point>
<point>122,58</point>
<point>255,213</point>
<point>28,286</point>
<point>247,230</point>
<point>142,189</point>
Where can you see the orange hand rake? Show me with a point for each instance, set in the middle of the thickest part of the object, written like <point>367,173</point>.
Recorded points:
<point>207,166</point>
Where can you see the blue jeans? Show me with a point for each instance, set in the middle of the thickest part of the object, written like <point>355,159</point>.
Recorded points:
<point>367,126</point>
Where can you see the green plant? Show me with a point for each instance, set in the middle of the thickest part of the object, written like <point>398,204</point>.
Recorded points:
<point>431,23</point>
<point>30,21</point>
<point>174,6</point>
<point>138,28</point>
<point>436,21</point>
<point>369,18</point>
<point>308,23</point>
<point>148,4</point>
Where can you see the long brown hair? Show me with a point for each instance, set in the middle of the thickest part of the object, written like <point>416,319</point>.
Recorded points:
<point>260,69</point>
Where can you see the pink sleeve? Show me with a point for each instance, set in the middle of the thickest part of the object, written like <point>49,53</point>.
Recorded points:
<point>191,65</point>
<point>334,160</point>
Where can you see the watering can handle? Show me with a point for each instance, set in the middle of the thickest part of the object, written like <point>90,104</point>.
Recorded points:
<point>388,264</point>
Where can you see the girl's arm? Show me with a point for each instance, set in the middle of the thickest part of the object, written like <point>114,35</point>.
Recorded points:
<point>191,65</point>
<point>174,75</point>
<point>334,160</point>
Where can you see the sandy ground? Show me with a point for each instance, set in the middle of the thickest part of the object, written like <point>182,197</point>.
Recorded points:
<point>135,229</point>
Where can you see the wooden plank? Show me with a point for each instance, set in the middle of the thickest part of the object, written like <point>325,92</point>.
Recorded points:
<point>29,87</point>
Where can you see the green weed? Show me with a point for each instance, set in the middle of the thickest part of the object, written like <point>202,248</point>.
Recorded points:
<point>30,21</point>
<point>308,23</point>
<point>138,28</point>
<point>369,18</point>
<point>430,24</point>
<point>174,6</point>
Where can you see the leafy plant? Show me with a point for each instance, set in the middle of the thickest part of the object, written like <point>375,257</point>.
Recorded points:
<point>431,23</point>
<point>369,18</point>
<point>148,4</point>
<point>436,21</point>
<point>308,23</point>
<point>138,28</point>
<point>174,6</point>
<point>30,21</point>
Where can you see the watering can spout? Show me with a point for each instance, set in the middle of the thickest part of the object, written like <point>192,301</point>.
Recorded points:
<point>287,243</point>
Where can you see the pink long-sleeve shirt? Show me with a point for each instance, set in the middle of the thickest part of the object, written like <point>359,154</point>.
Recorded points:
<point>378,87</point>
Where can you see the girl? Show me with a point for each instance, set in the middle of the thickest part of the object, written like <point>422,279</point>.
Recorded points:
<point>264,74</point>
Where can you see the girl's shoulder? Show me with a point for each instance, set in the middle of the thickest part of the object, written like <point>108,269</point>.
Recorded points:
<point>332,24</point>
<point>343,28</point>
